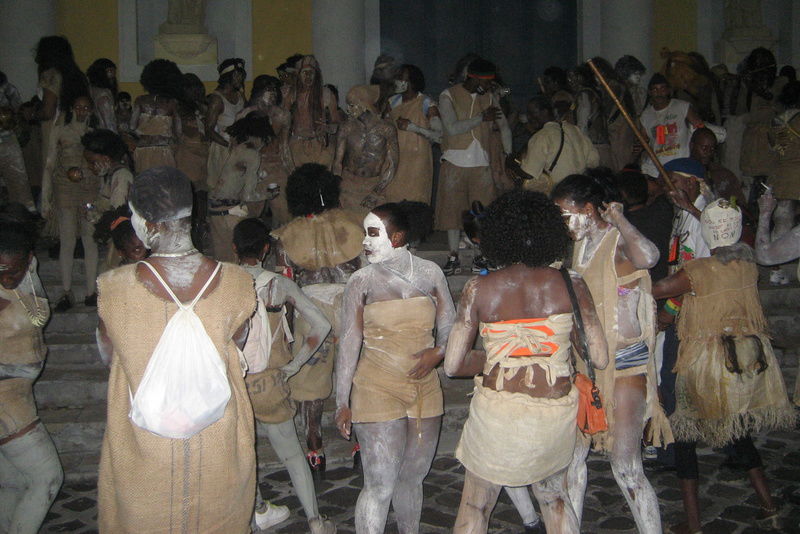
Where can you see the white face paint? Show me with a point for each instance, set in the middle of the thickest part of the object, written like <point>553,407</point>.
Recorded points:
<point>578,224</point>
<point>378,248</point>
<point>139,228</point>
<point>635,78</point>
<point>400,86</point>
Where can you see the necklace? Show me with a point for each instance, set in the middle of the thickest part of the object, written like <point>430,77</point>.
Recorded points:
<point>174,254</point>
<point>39,317</point>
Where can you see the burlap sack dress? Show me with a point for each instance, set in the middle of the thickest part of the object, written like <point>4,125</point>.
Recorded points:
<point>153,484</point>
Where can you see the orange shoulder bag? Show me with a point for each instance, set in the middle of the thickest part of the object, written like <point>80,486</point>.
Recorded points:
<point>591,415</point>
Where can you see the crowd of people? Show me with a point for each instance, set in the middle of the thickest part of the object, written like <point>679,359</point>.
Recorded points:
<point>617,229</point>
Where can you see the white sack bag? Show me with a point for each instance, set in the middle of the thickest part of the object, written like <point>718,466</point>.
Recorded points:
<point>185,385</point>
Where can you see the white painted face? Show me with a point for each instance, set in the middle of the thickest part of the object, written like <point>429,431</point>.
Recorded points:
<point>377,245</point>
<point>139,228</point>
<point>635,78</point>
<point>400,86</point>
<point>577,223</point>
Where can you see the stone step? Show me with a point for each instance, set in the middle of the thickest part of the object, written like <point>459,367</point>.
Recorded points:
<point>78,320</point>
<point>72,348</point>
<point>71,385</point>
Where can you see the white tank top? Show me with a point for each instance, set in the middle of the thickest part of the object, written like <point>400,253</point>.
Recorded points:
<point>228,115</point>
<point>669,134</point>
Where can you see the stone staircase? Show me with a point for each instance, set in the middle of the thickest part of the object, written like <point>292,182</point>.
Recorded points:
<point>71,392</point>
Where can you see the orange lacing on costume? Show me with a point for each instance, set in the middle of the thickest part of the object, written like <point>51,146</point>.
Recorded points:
<point>518,343</point>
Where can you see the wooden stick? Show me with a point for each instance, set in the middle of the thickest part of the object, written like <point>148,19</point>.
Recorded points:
<point>645,143</point>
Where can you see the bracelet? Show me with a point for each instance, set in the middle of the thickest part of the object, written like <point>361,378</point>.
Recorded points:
<point>672,307</point>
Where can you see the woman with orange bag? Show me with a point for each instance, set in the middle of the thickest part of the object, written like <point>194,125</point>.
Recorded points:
<point>524,314</point>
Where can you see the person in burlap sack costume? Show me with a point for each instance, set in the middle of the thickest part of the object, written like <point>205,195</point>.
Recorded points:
<point>521,425</point>
<point>396,316</point>
<point>366,151</point>
<point>148,483</point>
<point>729,383</point>
<point>319,249</point>
<point>269,393</point>
<point>614,257</point>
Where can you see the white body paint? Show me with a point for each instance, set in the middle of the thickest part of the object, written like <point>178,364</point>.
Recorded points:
<point>378,248</point>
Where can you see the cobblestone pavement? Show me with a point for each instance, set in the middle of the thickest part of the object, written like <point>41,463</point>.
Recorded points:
<point>727,500</point>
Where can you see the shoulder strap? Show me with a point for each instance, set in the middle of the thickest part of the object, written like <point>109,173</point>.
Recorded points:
<point>172,295</point>
<point>576,312</point>
<point>560,149</point>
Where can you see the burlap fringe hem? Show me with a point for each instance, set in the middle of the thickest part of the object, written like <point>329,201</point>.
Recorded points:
<point>719,432</point>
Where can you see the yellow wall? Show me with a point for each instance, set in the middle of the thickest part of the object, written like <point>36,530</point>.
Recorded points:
<point>280,28</point>
<point>674,27</point>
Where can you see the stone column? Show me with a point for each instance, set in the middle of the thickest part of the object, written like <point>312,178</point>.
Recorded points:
<point>338,39</point>
<point>22,23</point>
<point>627,28</point>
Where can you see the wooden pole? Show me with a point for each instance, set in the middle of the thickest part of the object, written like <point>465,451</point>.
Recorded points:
<point>645,143</point>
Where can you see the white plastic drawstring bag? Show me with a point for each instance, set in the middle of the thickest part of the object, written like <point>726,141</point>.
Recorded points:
<point>185,385</point>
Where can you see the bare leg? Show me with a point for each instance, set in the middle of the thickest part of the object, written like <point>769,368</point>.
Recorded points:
<point>382,449</point>
<point>420,449</point>
<point>626,453</point>
<point>68,235</point>
<point>477,502</point>
<point>551,493</point>
<point>283,438</point>
<point>577,476</point>
<point>523,503</point>
<point>312,413</point>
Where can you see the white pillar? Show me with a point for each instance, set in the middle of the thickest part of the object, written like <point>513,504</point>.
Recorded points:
<point>628,30</point>
<point>22,23</point>
<point>338,39</point>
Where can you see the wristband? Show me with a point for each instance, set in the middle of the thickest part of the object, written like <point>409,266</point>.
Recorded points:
<point>672,306</point>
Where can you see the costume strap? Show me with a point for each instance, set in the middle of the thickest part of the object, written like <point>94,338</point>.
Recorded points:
<point>172,295</point>
<point>583,347</point>
<point>560,149</point>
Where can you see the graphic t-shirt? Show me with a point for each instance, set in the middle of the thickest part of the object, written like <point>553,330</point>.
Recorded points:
<point>669,134</point>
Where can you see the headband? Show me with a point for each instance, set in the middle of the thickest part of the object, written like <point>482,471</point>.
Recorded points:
<point>481,76</point>
<point>232,67</point>
<point>118,221</point>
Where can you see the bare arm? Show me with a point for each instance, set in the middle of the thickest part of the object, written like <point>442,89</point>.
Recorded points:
<point>786,248</point>
<point>349,348</point>
<point>641,251</point>
<point>352,335</point>
<point>104,345</point>
<point>459,358</point>
<point>341,148</point>
<point>428,359</point>
<point>505,132</point>
<point>240,337</point>
<point>136,110</point>
<point>215,108</point>
<point>450,123</point>
<point>583,111</point>
<point>672,286</point>
<point>595,337</point>
<point>284,290</point>
<point>432,134</point>
<point>104,108</point>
